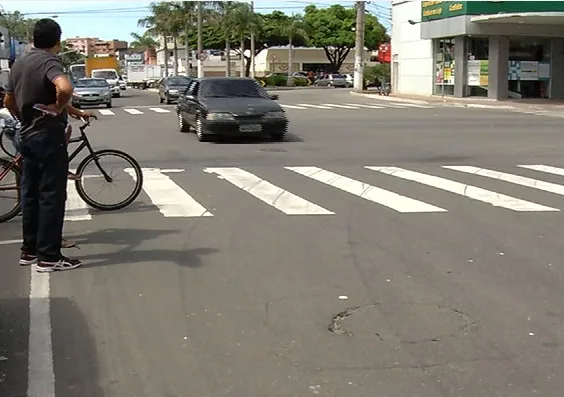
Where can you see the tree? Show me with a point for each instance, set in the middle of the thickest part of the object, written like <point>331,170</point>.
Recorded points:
<point>142,42</point>
<point>333,29</point>
<point>20,28</point>
<point>158,24</point>
<point>68,55</point>
<point>292,29</point>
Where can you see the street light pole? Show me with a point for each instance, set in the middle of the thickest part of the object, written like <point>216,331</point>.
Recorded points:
<point>359,48</point>
<point>200,42</point>
<point>252,44</point>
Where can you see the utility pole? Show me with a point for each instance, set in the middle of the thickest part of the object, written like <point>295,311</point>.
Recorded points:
<point>359,48</point>
<point>200,42</point>
<point>252,43</point>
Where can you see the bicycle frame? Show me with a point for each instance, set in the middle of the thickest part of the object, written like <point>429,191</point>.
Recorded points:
<point>85,143</point>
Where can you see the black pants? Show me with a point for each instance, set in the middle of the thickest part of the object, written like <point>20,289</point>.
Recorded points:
<point>44,193</point>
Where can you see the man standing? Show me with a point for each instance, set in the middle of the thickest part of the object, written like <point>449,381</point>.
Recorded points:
<point>39,79</point>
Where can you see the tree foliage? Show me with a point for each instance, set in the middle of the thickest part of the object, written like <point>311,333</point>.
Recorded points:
<point>20,28</point>
<point>333,29</point>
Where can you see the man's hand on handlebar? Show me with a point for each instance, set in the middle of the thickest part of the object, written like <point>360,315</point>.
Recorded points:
<point>86,116</point>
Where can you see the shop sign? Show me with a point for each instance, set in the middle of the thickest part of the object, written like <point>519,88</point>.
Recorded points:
<point>477,74</point>
<point>431,10</point>
<point>435,10</point>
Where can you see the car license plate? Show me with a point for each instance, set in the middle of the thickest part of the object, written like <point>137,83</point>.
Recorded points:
<point>250,128</point>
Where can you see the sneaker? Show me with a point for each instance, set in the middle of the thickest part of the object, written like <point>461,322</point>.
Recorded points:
<point>62,264</point>
<point>67,243</point>
<point>27,259</point>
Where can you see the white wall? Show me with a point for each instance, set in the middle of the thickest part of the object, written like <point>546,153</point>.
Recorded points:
<point>414,55</point>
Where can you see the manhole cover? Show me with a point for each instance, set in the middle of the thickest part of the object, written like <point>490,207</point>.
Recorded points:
<point>410,323</point>
<point>273,150</point>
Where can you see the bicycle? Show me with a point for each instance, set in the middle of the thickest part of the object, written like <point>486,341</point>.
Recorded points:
<point>12,165</point>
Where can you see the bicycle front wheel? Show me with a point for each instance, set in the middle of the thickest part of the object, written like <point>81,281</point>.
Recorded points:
<point>101,169</point>
<point>7,145</point>
<point>10,183</point>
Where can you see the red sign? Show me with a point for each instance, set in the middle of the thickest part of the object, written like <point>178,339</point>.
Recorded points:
<point>385,53</point>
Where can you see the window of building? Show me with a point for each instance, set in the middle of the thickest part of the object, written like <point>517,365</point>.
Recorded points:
<point>478,61</point>
<point>444,67</point>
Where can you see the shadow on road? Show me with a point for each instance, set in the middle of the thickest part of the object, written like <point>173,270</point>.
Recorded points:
<point>74,350</point>
<point>130,240</point>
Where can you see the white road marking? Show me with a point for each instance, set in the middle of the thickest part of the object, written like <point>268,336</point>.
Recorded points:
<point>132,111</point>
<point>159,110</point>
<point>173,170</point>
<point>473,192</point>
<point>365,106</point>
<point>339,106</point>
<point>10,242</point>
<point>171,200</point>
<point>544,168</point>
<point>292,107</point>
<point>314,106</point>
<point>371,193</point>
<point>76,209</point>
<point>40,372</point>
<point>518,180</point>
<point>106,112</point>
<point>412,105</point>
<point>282,200</point>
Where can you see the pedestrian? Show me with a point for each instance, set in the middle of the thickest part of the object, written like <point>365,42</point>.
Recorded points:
<point>38,78</point>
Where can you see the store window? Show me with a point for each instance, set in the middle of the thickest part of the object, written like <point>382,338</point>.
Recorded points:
<point>444,67</point>
<point>477,70</point>
<point>529,67</point>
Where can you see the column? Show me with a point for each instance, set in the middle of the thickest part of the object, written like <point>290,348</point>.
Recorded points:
<point>498,67</point>
<point>556,68</point>
<point>460,66</point>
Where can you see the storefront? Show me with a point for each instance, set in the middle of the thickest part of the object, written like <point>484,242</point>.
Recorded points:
<point>498,49</point>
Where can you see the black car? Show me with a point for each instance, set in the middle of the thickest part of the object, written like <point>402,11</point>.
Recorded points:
<point>230,106</point>
<point>170,88</point>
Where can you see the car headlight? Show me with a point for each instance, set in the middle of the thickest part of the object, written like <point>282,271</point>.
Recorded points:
<point>77,94</point>
<point>173,91</point>
<point>219,116</point>
<point>275,115</point>
<point>103,93</point>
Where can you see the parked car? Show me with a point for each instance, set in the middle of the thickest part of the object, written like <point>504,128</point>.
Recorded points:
<point>91,92</point>
<point>230,106</point>
<point>170,88</point>
<point>333,80</point>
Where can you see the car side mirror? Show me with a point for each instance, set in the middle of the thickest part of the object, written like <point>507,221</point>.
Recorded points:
<point>274,97</point>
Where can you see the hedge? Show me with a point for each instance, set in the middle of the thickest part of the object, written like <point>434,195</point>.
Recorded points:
<point>282,81</point>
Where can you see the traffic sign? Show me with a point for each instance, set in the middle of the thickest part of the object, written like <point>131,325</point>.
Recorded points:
<point>203,56</point>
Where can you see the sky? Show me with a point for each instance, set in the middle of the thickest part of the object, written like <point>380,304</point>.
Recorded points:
<point>109,20</point>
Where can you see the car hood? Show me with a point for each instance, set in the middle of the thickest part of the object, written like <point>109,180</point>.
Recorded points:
<point>241,106</point>
<point>90,90</point>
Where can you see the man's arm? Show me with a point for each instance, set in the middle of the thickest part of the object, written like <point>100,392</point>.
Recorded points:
<point>10,100</point>
<point>54,71</point>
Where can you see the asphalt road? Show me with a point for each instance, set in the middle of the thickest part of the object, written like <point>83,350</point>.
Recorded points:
<point>405,279</point>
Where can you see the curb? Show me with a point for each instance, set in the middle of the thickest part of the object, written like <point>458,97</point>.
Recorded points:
<point>390,99</point>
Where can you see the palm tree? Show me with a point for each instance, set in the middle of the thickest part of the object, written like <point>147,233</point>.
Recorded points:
<point>242,21</point>
<point>143,42</point>
<point>224,19</point>
<point>294,29</point>
<point>158,24</point>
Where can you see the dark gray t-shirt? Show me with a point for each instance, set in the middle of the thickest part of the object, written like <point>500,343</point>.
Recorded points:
<point>31,82</point>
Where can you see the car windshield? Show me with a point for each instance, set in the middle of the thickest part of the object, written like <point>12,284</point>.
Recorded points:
<point>232,89</point>
<point>91,83</point>
<point>105,74</point>
<point>182,81</point>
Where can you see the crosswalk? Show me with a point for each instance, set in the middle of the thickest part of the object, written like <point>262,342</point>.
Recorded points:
<point>165,191</point>
<point>354,106</point>
<point>137,111</point>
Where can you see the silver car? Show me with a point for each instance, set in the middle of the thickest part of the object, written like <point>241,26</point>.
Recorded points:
<point>92,92</point>
<point>333,80</point>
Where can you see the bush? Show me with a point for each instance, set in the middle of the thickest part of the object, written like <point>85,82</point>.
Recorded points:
<point>276,80</point>
<point>379,72</point>
<point>300,81</point>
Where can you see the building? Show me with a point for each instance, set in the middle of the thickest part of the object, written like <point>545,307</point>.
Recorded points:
<point>496,49</point>
<point>92,46</point>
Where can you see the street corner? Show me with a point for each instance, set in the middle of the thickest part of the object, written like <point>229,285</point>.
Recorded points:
<point>389,98</point>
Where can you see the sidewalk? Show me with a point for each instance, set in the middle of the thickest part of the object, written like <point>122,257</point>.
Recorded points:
<point>484,103</point>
